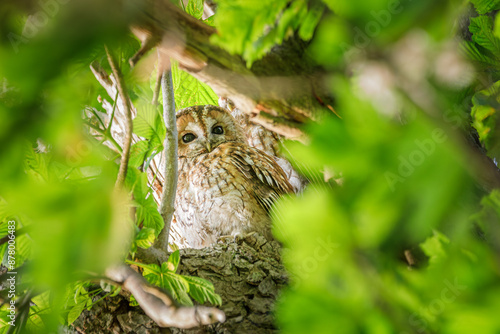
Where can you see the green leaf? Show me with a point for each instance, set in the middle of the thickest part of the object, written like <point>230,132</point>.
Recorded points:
<point>36,164</point>
<point>434,247</point>
<point>138,153</point>
<point>489,216</point>
<point>145,238</point>
<point>475,54</point>
<point>76,310</point>
<point>485,6</point>
<point>482,29</point>
<point>189,91</point>
<point>23,246</point>
<point>23,249</point>
<point>4,228</point>
<point>147,124</point>
<point>173,283</point>
<point>195,8</point>
<point>147,214</point>
<point>311,21</point>
<point>41,307</point>
<point>484,114</point>
<point>252,28</point>
<point>202,290</point>
<point>179,286</point>
<point>116,291</point>
<point>210,21</point>
<point>4,321</point>
<point>496,30</point>
<point>173,261</point>
<point>4,210</point>
<point>3,250</point>
<point>147,210</point>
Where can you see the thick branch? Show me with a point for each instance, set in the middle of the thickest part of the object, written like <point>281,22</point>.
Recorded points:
<point>280,84</point>
<point>159,305</point>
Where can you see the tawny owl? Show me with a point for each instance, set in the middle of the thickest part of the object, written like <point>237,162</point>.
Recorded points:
<point>225,187</point>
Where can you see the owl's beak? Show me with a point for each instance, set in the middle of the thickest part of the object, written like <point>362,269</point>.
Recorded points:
<point>209,147</point>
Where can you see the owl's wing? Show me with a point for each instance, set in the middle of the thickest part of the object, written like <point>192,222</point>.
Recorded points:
<point>268,179</point>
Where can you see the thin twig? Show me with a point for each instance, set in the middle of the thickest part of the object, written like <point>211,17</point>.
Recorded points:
<point>97,116</point>
<point>105,135</point>
<point>111,118</point>
<point>127,141</point>
<point>170,152</point>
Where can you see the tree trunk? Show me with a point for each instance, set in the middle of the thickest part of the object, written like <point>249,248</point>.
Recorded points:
<point>248,275</point>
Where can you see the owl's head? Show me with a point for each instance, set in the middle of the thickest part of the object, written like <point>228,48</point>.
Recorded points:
<point>202,128</point>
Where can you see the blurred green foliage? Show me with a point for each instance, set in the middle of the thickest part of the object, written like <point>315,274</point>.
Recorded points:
<point>407,243</point>
<point>57,180</point>
<point>406,190</point>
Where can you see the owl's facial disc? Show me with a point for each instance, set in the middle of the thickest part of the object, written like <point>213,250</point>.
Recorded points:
<point>201,129</point>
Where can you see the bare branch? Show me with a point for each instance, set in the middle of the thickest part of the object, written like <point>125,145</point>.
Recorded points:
<point>159,305</point>
<point>127,142</point>
<point>103,77</point>
<point>279,125</point>
<point>170,151</point>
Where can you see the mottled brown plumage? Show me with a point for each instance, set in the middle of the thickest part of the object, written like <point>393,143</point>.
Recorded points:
<point>225,187</point>
<point>265,140</point>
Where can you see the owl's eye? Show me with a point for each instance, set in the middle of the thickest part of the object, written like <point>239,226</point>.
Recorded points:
<point>218,130</point>
<point>188,137</point>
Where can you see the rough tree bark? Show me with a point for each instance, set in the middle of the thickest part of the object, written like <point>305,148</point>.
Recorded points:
<point>248,275</point>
